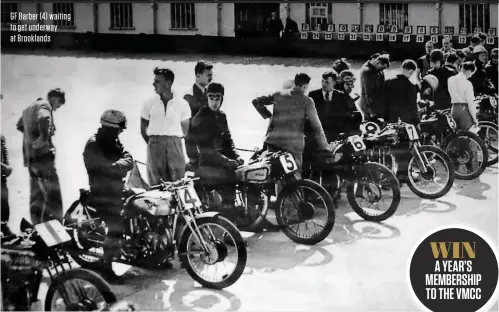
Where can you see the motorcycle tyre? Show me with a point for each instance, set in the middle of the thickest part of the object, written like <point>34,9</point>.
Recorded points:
<point>330,206</point>
<point>494,126</point>
<point>395,186</point>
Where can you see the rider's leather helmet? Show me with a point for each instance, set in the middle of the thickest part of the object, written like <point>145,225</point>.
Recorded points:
<point>341,65</point>
<point>215,88</point>
<point>480,49</point>
<point>114,119</point>
<point>428,81</point>
<point>431,81</point>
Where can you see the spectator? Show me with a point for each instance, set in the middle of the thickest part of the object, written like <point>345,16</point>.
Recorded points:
<point>452,62</point>
<point>341,65</point>
<point>38,126</point>
<point>274,25</point>
<point>164,122</point>
<point>372,80</point>
<point>462,58</point>
<point>447,45</point>
<point>204,75</point>
<point>491,68</point>
<point>6,171</point>
<point>291,27</point>
<point>424,61</point>
<point>107,165</point>
<point>438,69</point>
<point>475,41</point>
<point>480,81</point>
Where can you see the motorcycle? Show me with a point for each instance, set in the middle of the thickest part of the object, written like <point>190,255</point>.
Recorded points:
<point>396,138</point>
<point>256,184</point>
<point>39,248</point>
<point>158,222</point>
<point>438,128</point>
<point>487,122</point>
<point>365,180</point>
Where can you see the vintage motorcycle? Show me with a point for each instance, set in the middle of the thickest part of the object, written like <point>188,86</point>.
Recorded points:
<point>438,128</point>
<point>384,145</point>
<point>487,121</point>
<point>39,248</point>
<point>296,207</point>
<point>366,181</point>
<point>158,222</point>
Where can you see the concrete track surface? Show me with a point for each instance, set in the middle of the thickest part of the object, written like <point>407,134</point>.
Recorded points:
<point>361,265</point>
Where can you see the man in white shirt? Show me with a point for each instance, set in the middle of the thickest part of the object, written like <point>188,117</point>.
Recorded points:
<point>462,97</point>
<point>164,123</point>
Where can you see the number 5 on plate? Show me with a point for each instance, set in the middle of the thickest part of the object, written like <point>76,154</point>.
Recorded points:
<point>288,163</point>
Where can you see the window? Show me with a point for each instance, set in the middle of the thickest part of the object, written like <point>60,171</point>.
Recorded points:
<point>319,14</point>
<point>121,15</point>
<point>7,9</point>
<point>67,10</point>
<point>183,15</point>
<point>394,14</point>
<point>474,16</point>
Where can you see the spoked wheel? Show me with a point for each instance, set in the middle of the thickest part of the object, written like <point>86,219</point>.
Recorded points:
<point>438,178</point>
<point>375,195</point>
<point>468,152</point>
<point>223,262</point>
<point>257,202</point>
<point>305,212</point>
<point>79,290</point>
<point>489,133</point>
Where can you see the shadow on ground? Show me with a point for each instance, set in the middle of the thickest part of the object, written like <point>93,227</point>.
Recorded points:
<point>472,189</point>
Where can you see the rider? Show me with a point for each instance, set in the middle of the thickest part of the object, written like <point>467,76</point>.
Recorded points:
<point>339,66</point>
<point>492,68</point>
<point>107,164</point>
<point>442,97</point>
<point>480,81</point>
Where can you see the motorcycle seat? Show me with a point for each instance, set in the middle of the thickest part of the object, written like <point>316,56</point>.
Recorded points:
<point>137,190</point>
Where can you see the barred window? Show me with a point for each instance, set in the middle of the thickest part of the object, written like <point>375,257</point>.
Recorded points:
<point>121,15</point>
<point>319,14</point>
<point>394,14</point>
<point>7,9</point>
<point>66,9</point>
<point>474,16</point>
<point>183,15</point>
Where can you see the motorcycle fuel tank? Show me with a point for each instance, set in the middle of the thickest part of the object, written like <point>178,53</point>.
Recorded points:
<point>156,203</point>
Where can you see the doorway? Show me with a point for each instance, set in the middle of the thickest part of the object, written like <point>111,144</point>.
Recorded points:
<point>252,19</point>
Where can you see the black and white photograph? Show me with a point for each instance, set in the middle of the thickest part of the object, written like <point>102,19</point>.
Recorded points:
<point>249,155</point>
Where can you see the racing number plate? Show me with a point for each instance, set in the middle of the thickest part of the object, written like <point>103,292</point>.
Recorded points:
<point>357,143</point>
<point>189,197</point>
<point>288,163</point>
<point>412,132</point>
<point>52,233</point>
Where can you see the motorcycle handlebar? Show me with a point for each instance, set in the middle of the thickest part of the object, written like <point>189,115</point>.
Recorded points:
<point>174,184</point>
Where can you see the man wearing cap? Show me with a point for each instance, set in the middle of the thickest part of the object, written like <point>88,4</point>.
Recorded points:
<point>441,96</point>
<point>480,80</point>
<point>372,80</point>
<point>491,69</point>
<point>107,164</point>
<point>37,126</point>
<point>424,61</point>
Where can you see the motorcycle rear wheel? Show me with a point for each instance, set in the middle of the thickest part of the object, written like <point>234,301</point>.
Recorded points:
<point>391,182</point>
<point>486,128</point>
<point>448,163</point>
<point>446,147</point>
<point>287,228</point>
<point>83,304</point>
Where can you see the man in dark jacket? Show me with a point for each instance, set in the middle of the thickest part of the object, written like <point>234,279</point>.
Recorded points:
<point>107,164</point>
<point>442,96</point>
<point>372,80</point>
<point>469,50</point>
<point>491,69</point>
<point>452,62</point>
<point>274,25</point>
<point>197,99</point>
<point>38,126</point>
<point>424,61</point>
<point>6,171</point>
<point>401,96</point>
<point>480,80</point>
<point>291,27</point>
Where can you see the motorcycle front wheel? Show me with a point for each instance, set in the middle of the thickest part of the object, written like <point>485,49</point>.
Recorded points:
<point>417,179</point>
<point>302,203</point>
<point>489,133</point>
<point>79,290</point>
<point>226,250</point>
<point>460,147</point>
<point>369,187</point>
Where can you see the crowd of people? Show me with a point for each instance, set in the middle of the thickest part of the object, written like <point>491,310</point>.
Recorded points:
<point>192,126</point>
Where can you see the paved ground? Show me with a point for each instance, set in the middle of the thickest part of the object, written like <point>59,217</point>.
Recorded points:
<point>359,267</point>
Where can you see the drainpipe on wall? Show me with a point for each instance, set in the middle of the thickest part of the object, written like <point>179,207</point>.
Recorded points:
<point>360,6</point>
<point>439,16</point>
<point>288,10</point>
<point>219,19</point>
<point>96,17</point>
<point>155,18</point>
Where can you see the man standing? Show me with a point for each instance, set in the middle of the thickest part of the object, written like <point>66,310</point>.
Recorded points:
<point>164,122</point>
<point>274,25</point>
<point>37,126</point>
<point>107,164</point>
<point>469,51</point>
<point>442,97</point>
<point>424,61</point>
<point>286,129</point>
<point>447,45</point>
<point>452,62</point>
<point>480,80</point>
<point>491,69</point>
<point>6,171</point>
<point>204,75</point>
<point>372,80</point>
